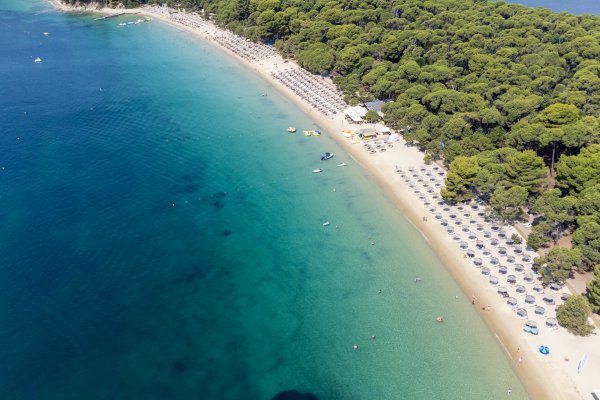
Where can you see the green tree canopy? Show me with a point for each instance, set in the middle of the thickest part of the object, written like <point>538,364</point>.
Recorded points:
<point>460,178</point>
<point>587,238</point>
<point>593,289</point>
<point>558,264</point>
<point>507,203</point>
<point>574,314</point>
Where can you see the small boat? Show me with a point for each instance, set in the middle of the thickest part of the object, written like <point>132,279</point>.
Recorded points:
<point>308,133</point>
<point>46,33</point>
<point>291,129</point>
<point>326,156</point>
<point>316,133</point>
<point>326,223</point>
<point>440,319</point>
<point>123,24</point>
<point>342,164</point>
<point>37,60</point>
<point>316,171</point>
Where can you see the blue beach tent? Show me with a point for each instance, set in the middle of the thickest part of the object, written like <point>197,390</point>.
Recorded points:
<point>544,350</point>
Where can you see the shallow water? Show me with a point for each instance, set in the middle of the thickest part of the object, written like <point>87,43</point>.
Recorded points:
<point>571,6</point>
<point>162,236</point>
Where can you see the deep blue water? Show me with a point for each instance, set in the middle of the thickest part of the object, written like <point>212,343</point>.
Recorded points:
<point>161,236</point>
<point>571,6</point>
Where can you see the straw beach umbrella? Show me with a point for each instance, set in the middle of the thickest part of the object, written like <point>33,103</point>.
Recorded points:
<point>549,300</point>
<point>530,300</point>
<point>519,269</point>
<point>551,323</point>
<point>555,287</point>
<point>517,249</point>
<point>540,311</point>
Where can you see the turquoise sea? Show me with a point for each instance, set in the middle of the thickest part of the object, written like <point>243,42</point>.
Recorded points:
<point>571,6</point>
<point>161,237</point>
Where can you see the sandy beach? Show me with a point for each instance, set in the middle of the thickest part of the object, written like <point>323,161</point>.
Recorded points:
<point>553,376</point>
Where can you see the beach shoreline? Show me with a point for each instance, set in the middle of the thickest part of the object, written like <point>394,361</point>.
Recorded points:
<point>543,377</point>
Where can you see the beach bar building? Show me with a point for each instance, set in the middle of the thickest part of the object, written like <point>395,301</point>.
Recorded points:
<point>356,113</point>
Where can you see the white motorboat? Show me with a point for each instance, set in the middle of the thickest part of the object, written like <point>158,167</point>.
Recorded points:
<point>342,164</point>
<point>316,171</point>
<point>326,223</point>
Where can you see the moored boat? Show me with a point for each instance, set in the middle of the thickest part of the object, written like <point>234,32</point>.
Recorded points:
<point>342,164</point>
<point>291,129</point>
<point>316,171</point>
<point>326,156</point>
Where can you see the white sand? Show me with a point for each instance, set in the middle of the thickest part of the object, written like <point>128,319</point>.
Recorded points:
<point>545,377</point>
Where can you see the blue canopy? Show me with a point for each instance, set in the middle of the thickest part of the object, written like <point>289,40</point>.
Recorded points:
<point>544,350</point>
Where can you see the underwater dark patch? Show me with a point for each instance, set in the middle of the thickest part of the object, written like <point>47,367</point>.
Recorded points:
<point>180,366</point>
<point>189,188</point>
<point>294,395</point>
